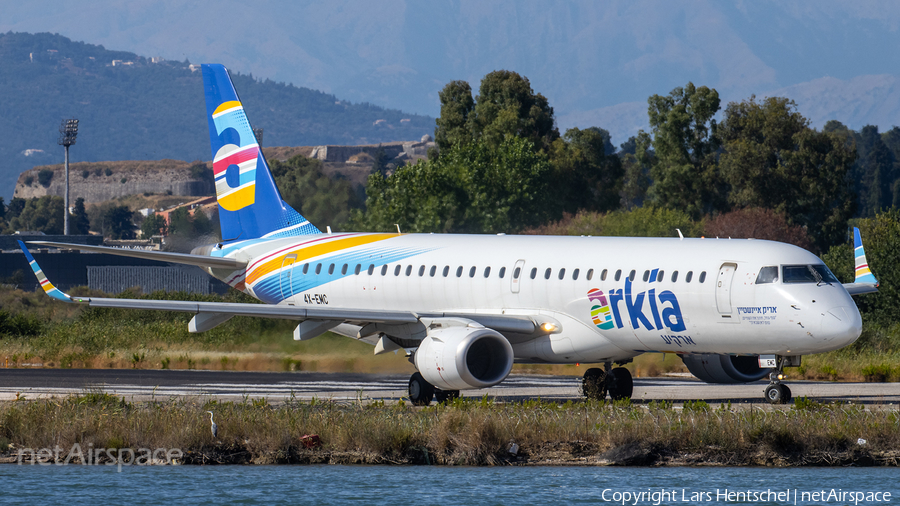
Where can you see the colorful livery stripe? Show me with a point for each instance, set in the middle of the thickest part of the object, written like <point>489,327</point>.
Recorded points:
<point>48,287</point>
<point>863,273</point>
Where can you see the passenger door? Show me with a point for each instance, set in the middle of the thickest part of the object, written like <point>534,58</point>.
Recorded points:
<point>517,273</point>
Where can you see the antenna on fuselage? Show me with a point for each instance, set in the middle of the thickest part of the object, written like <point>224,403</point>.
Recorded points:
<point>398,229</point>
<point>680,234</point>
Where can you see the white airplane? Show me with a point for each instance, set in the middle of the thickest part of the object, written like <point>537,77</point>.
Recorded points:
<point>466,307</point>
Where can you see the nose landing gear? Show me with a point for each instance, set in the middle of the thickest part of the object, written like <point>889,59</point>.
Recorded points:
<point>777,392</point>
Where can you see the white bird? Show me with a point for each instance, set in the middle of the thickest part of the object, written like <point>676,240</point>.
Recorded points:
<point>213,427</point>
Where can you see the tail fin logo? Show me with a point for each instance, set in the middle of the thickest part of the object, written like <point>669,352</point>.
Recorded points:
<point>234,165</point>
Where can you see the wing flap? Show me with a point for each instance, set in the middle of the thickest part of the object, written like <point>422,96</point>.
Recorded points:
<point>160,256</point>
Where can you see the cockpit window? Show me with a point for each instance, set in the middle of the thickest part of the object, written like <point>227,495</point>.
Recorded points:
<point>767,275</point>
<point>807,274</point>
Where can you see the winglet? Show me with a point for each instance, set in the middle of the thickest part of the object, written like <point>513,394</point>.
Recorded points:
<point>863,273</point>
<point>48,287</point>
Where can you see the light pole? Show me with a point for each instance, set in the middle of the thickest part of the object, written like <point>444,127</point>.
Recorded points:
<point>68,131</point>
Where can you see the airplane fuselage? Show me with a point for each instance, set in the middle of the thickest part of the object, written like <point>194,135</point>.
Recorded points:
<point>612,297</point>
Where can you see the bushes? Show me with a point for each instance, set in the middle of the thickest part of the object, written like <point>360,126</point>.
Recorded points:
<point>19,325</point>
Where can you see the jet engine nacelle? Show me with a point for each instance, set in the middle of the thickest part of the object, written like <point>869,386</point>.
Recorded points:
<point>715,368</point>
<point>462,358</point>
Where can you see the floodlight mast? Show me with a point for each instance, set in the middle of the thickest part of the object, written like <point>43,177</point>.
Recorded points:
<point>68,131</point>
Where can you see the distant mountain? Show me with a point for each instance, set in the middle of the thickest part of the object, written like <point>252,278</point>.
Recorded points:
<point>132,108</point>
<point>584,55</point>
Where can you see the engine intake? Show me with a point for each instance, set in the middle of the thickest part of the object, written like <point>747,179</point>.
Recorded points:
<point>462,358</point>
<point>715,368</point>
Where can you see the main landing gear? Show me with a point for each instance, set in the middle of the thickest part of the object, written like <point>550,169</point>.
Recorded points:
<point>422,392</point>
<point>777,392</point>
<point>615,381</point>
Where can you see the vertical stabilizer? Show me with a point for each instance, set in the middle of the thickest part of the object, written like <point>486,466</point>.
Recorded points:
<point>250,205</point>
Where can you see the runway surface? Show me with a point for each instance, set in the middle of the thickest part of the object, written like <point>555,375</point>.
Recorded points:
<point>140,385</point>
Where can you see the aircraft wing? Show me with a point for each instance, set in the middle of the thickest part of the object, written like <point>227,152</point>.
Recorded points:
<point>210,314</point>
<point>865,281</point>
<point>160,256</point>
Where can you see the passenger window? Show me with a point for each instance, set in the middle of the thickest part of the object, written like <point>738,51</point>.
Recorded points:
<point>502,272</point>
<point>421,271</point>
<point>384,269</point>
<point>703,276</point>
<point>674,276</point>
<point>397,270</point>
<point>358,268</point>
<point>660,276</point>
<point>472,272</point>
<point>331,269</point>
<point>590,274</point>
<point>646,275</point>
<point>575,274</point>
<point>603,275</point>
<point>547,273</point>
<point>767,275</point>
<point>344,270</point>
<point>446,270</point>
<point>517,273</point>
<point>690,274</point>
<point>631,275</point>
<point>318,268</point>
<point>533,272</point>
<point>562,273</point>
<point>371,269</point>
<point>487,271</point>
<point>305,268</point>
<point>618,274</point>
<point>433,271</point>
<point>459,272</point>
<point>408,270</point>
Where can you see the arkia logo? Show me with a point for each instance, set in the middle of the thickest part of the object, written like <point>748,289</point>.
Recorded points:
<point>662,307</point>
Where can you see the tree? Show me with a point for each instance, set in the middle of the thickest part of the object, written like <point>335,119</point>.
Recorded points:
<point>117,223</point>
<point>757,223</point>
<point>154,224</point>
<point>772,159</point>
<point>873,172</point>
<point>506,105</point>
<point>319,198</point>
<point>588,176</point>
<point>453,126</point>
<point>79,220</point>
<point>684,171</point>
<point>468,189</point>
<point>380,161</point>
<point>44,214</point>
<point>637,159</point>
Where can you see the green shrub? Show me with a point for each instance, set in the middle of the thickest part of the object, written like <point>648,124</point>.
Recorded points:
<point>880,373</point>
<point>108,171</point>
<point>44,177</point>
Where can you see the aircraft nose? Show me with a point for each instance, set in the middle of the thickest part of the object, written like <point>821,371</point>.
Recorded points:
<point>841,325</point>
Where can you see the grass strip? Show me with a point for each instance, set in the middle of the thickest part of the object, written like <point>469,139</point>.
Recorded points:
<point>463,432</point>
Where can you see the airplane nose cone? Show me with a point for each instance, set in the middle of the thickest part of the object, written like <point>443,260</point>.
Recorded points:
<point>841,325</point>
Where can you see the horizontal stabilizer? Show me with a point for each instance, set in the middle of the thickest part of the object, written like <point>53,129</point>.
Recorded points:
<point>159,256</point>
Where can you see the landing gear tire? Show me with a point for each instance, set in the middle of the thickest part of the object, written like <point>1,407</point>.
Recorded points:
<point>445,395</point>
<point>621,385</point>
<point>593,385</point>
<point>778,394</point>
<point>420,391</point>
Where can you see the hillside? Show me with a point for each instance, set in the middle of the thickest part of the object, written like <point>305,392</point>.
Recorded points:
<point>149,109</point>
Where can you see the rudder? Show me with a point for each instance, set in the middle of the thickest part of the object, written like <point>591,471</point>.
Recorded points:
<point>250,205</point>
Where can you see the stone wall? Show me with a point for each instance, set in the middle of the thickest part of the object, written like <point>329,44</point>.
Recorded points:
<point>90,180</point>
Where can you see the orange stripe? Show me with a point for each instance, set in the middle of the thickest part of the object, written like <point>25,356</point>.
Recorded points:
<point>314,251</point>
